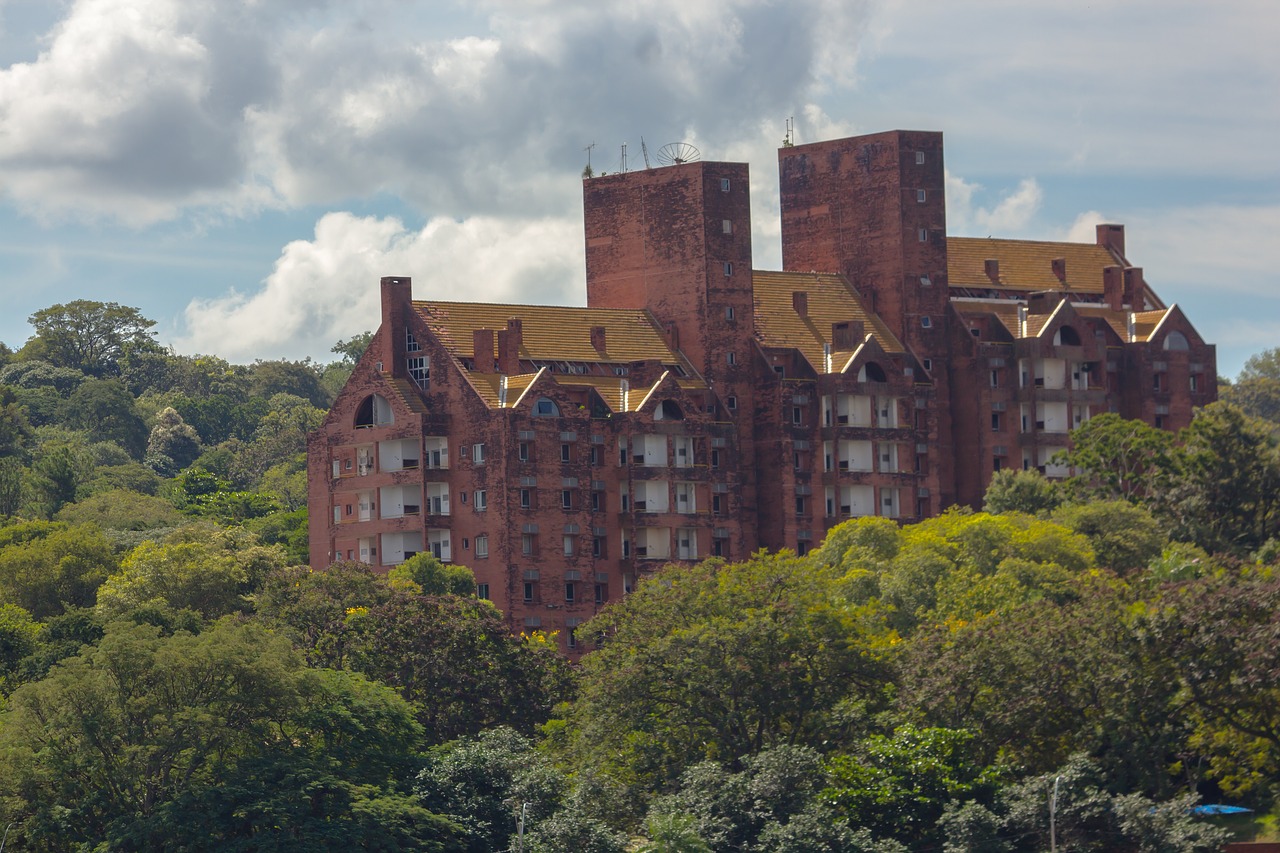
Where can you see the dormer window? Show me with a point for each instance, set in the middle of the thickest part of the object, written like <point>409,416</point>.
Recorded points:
<point>546,408</point>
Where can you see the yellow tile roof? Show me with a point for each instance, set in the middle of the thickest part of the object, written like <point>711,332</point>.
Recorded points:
<point>408,394</point>
<point>830,300</point>
<point>1026,264</point>
<point>1006,311</point>
<point>1145,322</point>
<point>551,332</point>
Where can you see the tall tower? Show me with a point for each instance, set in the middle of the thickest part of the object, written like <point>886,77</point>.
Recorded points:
<point>676,240</point>
<point>873,208</point>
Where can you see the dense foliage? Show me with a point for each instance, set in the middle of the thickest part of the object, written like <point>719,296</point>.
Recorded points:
<point>174,677</point>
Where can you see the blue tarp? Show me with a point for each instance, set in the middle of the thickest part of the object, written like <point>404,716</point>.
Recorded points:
<point>1218,809</point>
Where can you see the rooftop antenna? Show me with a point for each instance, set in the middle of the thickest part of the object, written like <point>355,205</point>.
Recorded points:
<point>587,172</point>
<point>675,153</point>
<point>789,141</point>
<point>644,149</point>
<point>624,158</point>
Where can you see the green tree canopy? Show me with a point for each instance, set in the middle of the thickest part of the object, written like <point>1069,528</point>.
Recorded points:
<point>429,576</point>
<point>90,336</point>
<point>45,568</point>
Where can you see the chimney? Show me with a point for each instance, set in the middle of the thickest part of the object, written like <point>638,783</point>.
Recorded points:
<point>1060,269</point>
<point>1043,302</point>
<point>1113,287</point>
<point>800,302</point>
<point>597,339</point>
<point>510,340</point>
<point>482,350</point>
<point>1112,237</point>
<point>992,266</point>
<point>847,335</point>
<point>397,306</point>
<point>1134,295</point>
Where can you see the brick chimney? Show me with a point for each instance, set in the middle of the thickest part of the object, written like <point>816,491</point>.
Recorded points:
<point>1043,302</point>
<point>597,339</point>
<point>1113,287</point>
<point>1112,237</point>
<point>1060,269</point>
<point>482,349</point>
<point>800,302</point>
<point>992,267</point>
<point>510,340</point>
<point>1134,294</point>
<point>847,335</point>
<point>397,306</point>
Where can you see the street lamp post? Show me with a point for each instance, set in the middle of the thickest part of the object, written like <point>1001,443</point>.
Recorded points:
<point>1053,814</point>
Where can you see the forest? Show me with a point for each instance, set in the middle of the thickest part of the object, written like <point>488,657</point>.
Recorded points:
<point>173,676</point>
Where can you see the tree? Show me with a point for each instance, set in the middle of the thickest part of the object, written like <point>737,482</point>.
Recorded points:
<point>1221,635</point>
<point>1228,495</point>
<point>46,567</point>
<point>122,509</point>
<point>91,336</point>
<point>15,429</point>
<point>313,606</point>
<point>105,410</point>
<point>19,638</point>
<point>1124,537</point>
<point>482,783</point>
<point>352,348</point>
<point>719,662</point>
<point>218,740</point>
<point>1118,459</point>
<point>12,490</point>
<point>174,439</point>
<point>209,572</point>
<point>456,661</point>
<point>432,577</point>
<point>1021,491</point>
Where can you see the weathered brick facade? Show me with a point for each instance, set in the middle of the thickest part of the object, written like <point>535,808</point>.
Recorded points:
<point>698,407</point>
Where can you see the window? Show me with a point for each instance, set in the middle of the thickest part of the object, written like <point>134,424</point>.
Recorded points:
<point>928,364</point>
<point>731,403</point>
<point>926,322</point>
<point>921,196</point>
<point>595,456</point>
<point>797,415</point>
<point>564,453</point>
<point>799,506</point>
<point>724,185</point>
<point>464,451</point>
<point>419,370</point>
<point>728,268</point>
<point>482,547</point>
<point>726,226</point>
<point>597,501</point>
<point>568,547</point>
<point>528,592</point>
<point>346,464</point>
<point>526,544</point>
<point>526,498</point>
<point>995,421</point>
<point>602,593</point>
<point>717,504</point>
<point>728,312</point>
<point>570,592</point>
<point>995,379</point>
<point>480,500</point>
<point>731,357</point>
<point>477,454</point>
<point>546,408</point>
<point>715,458</point>
<point>919,158</point>
<point>566,499</point>
<point>597,546</point>
<point>996,463</point>
<point>1195,382</point>
<point>923,235</point>
<point>524,451</point>
<point>482,591</point>
<point>925,281</point>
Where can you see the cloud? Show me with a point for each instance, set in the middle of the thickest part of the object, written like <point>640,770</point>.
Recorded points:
<point>1010,216</point>
<point>326,288</point>
<point>141,110</point>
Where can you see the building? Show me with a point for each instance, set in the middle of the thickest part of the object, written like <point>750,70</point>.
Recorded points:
<point>698,407</point>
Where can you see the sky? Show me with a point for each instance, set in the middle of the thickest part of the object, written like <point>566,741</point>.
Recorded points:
<point>244,171</point>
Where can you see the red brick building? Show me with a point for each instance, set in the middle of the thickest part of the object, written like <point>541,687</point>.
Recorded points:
<point>698,407</point>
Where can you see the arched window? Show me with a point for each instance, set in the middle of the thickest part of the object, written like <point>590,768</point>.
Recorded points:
<point>374,411</point>
<point>1066,337</point>
<point>545,407</point>
<point>1176,341</point>
<point>668,410</point>
<point>872,372</point>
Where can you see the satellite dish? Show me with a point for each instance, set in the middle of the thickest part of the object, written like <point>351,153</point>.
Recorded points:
<point>675,153</point>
